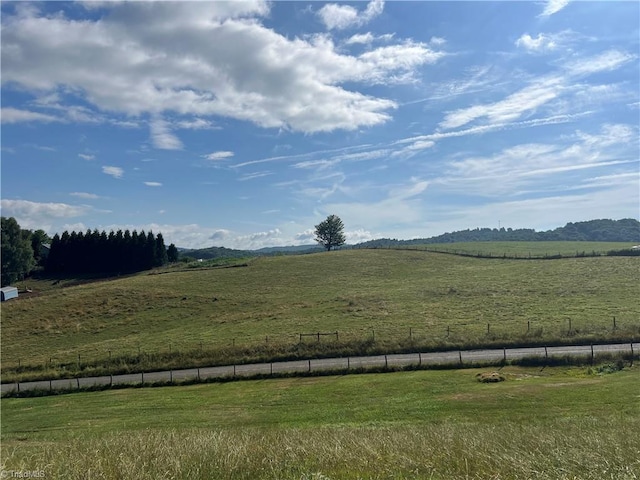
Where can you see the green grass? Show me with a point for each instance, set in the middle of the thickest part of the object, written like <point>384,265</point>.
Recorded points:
<point>550,423</point>
<point>529,249</point>
<point>256,312</point>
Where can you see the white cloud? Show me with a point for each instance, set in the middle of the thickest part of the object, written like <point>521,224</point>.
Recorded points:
<point>358,236</point>
<point>14,115</point>
<point>606,61</point>
<point>34,215</point>
<point>308,236</point>
<point>115,172</point>
<point>221,155</point>
<point>511,108</point>
<point>553,6</point>
<point>153,184</point>
<point>236,67</point>
<point>540,43</point>
<point>162,137</point>
<point>527,168</point>
<point>85,195</point>
<point>85,156</point>
<point>251,176</point>
<point>539,92</point>
<point>196,124</point>
<point>368,38</point>
<point>339,17</point>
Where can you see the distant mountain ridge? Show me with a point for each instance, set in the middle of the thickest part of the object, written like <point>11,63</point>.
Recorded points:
<point>604,230</point>
<point>625,230</point>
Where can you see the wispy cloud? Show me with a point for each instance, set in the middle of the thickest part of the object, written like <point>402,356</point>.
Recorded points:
<point>85,156</point>
<point>153,184</point>
<point>222,155</point>
<point>161,136</point>
<point>87,196</point>
<point>115,172</point>
<point>553,7</point>
<point>252,176</point>
<point>14,115</point>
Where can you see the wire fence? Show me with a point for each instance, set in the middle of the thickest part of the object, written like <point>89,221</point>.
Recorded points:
<point>247,349</point>
<point>346,364</point>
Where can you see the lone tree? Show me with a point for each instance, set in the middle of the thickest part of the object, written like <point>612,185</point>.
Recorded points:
<point>330,232</point>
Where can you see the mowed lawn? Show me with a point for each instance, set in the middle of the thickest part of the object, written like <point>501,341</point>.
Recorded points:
<point>359,293</point>
<point>539,423</point>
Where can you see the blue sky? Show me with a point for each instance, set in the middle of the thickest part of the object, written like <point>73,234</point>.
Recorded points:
<point>245,124</point>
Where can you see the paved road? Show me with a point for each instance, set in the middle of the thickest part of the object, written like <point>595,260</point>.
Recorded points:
<point>395,360</point>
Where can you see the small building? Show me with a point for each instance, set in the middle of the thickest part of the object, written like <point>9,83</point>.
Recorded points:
<point>7,293</point>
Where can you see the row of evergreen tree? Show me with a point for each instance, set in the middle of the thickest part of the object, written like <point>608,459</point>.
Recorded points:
<point>99,252</point>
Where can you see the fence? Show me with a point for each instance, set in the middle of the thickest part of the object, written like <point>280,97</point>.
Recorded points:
<point>452,357</point>
<point>464,335</point>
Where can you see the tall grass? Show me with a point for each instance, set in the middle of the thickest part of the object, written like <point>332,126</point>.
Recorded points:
<point>406,299</point>
<point>565,449</point>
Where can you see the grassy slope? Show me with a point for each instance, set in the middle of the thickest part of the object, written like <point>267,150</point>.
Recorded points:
<point>554,423</point>
<point>349,291</point>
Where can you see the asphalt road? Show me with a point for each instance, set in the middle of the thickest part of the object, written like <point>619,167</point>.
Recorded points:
<point>324,364</point>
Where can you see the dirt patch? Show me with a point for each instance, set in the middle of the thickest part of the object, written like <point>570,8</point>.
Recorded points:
<point>490,377</point>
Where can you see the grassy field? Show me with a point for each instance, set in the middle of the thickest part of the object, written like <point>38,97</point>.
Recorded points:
<point>554,423</point>
<point>403,299</point>
<point>529,249</point>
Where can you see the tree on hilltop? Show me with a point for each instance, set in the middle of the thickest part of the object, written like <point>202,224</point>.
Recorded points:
<point>330,232</point>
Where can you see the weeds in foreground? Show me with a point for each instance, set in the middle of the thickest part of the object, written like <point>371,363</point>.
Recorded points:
<point>564,449</point>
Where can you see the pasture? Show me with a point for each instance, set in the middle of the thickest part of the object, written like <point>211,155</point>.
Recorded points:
<point>553,423</point>
<point>378,300</point>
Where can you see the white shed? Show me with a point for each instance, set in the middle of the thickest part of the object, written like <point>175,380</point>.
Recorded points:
<point>7,293</point>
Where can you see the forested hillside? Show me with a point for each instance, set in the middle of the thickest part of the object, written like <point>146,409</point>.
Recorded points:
<point>625,230</point>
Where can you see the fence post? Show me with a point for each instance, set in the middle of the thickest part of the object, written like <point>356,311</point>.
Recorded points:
<point>460,356</point>
<point>234,370</point>
<point>50,386</point>
<point>410,334</point>
<point>78,383</point>
<point>592,354</point>
<point>337,339</point>
<point>111,380</point>
<point>448,330</point>
<point>419,359</point>
<point>631,354</point>
<point>318,336</point>
<point>18,387</point>
<point>271,368</point>
<point>309,364</point>
<point>488,328</point>
<point>198,373</point>
<point>528,325</point>
<point>386,363</point>
<point>374,334</point>
<point>142,376</point>
<point>504,356</point>
<point>170,376</point>
<point>546,354</point>
<point>348,363</point>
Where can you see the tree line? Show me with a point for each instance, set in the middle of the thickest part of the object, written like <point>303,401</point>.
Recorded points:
<point>99,252</point>
<point>77,252</point>
<point>605,230</point>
